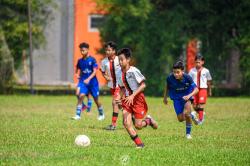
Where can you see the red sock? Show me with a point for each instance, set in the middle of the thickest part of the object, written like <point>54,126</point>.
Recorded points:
<point>136,139</point>
<point>200,111</point>
<point>147,121</point>
<point>114,118</point>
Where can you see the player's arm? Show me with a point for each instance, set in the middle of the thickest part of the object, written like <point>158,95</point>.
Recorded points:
<point>86,81</point>
<point>209,87</point>
<point>194,92</point>
<point>165,99</point>
<point>106,76</point>
<point>130,99</point>
<point>77,69</point>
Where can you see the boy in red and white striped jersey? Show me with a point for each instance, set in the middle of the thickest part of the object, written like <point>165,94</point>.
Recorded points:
<point>203,80</point>
<point>133,99</point>
<point>111,71</point>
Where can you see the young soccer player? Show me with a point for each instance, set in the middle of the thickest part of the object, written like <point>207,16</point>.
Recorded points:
<point>203,81</point>
<point>133,100</point>
<point>181,88</point>
<point>111,71</point>
<point>88,82</point>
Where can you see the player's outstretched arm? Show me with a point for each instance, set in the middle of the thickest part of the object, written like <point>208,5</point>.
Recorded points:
<point>165,98</point>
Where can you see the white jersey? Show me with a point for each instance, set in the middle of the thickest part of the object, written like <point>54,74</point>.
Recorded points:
<point>113,69</point>
<point>200,78</point>
<point>131,80</point>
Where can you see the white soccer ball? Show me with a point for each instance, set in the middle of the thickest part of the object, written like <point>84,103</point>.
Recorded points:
<point>82,140</point>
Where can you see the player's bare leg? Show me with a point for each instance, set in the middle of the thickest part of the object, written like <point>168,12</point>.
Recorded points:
<point>114,116</point>
<point>140,123</point>
<point>128,124</point>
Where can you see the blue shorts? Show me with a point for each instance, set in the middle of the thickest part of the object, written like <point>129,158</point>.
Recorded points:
<point>179,105</point>
<point>86,89</point>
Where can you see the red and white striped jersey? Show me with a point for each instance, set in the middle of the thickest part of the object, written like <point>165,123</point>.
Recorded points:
<point>131,80</point>
<point>113,69</point>
<point>200,77</point>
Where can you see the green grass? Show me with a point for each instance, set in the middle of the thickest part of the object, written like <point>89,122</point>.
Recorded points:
<point>37,130</point>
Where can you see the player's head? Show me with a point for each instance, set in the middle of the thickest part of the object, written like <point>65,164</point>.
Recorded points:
<point>84,48</point>
<point>125,55</point>
<point>110,48</point>
<point>178,70</point>
<point>199,61</point>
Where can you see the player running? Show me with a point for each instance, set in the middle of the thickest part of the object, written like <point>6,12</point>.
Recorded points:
<point>181,88</point>
<point>203,80</point>
<point>111,71</point>
<point>88,82</point>
<point>133,100</point>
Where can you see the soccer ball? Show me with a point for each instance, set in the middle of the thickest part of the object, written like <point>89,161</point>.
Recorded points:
<point>82,140</point>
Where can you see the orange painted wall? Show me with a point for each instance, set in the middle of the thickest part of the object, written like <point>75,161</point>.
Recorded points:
<point>83,8</point>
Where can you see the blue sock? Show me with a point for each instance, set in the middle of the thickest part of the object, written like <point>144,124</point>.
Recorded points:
<point>188,128</point>
<point>89,105</point>
<point>100,109</point>
<point>79,110</point>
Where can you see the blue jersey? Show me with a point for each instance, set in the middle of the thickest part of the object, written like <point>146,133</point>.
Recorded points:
<point>86,67</point>
<point>179,88</point>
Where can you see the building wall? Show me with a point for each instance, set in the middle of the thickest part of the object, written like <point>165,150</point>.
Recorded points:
<point>53,63</point>
<point>83,9</point>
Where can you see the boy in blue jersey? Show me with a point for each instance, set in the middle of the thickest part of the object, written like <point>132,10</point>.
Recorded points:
<point>181,88</point>
<point>88,82</point>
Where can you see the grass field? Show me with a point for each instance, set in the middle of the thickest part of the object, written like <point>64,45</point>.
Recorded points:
<point>37,130</point>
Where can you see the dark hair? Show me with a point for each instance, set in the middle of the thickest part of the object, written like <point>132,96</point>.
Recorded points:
<point>178,65</point>
<point>84,45</point>
<point>199,57</point>
<point>126,51</point>
<point>111,44</point>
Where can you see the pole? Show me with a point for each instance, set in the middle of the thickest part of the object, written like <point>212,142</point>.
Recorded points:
<point>30,48</point>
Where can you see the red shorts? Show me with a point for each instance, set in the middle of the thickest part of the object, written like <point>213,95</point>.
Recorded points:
<point>201,97</point>
<point>139,108</point>
<point>115,92</point>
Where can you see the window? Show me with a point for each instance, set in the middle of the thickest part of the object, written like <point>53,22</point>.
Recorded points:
<point>95,21</point>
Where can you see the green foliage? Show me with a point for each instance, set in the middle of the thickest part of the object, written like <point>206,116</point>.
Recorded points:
<point>14,22</point>
<point>42,133</point>
<point>156,31</point>
<point>6,65</point>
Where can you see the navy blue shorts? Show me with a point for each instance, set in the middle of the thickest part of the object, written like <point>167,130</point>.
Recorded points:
<point>179,105</point>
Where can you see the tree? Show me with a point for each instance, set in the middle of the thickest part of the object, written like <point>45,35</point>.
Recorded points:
<point>157,29</point>
<point>14,23</point>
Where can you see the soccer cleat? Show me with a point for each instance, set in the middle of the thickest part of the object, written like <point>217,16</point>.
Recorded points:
<point>76,117</point>
<point>188,136</point>
<point>101,117</point>
<point>194,118</point>
<point>140,146</point>
<point>153,123</point>
<point>110,127</point>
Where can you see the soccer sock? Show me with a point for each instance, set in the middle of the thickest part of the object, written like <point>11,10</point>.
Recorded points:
<point>114,118</point>
<point>147,121</point>
<point>83,105</point>
<point>100,110</point>
<point>89,105</point>
<point>136,139</point>
<point>188,128</point>
<point>200,112</point>
<point>79,110</point>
